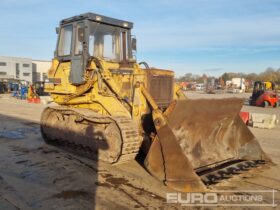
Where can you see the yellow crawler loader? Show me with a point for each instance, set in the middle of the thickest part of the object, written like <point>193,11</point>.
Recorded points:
<point>110,106</point>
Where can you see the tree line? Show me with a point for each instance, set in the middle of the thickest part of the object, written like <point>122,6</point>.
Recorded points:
<point>270,74</point>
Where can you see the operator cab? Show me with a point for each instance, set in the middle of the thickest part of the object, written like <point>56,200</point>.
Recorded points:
<point>90,35</point>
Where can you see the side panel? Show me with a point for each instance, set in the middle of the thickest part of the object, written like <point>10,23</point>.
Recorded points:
<point>76,76</point>
<point>59,79</point>
<point>160,86</point>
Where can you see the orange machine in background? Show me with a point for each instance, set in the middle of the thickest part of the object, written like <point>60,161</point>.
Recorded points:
<point>32,96</point>
<point>264,94</point>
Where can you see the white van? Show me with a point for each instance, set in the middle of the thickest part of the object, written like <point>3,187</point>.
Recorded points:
<point>199,87</point>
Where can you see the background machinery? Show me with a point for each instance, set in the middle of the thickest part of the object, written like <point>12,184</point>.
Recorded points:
<point>39,88</point>
<point>110,106</point>
<point>264,94</point>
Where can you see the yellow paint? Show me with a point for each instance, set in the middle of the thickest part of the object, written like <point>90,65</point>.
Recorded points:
<point>268,85</point>
<point>111,89</point>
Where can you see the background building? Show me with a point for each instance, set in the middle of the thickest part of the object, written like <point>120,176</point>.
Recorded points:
<point>14,69</point>
<point>40,69</point>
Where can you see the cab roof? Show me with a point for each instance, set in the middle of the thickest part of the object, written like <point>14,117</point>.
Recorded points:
<point>98,18</point>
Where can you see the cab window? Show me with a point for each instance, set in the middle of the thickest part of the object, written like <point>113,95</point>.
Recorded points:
<point>78,43</point>
<point>65,40</point>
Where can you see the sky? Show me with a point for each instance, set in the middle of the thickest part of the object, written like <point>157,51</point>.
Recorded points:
<point>187,36</point>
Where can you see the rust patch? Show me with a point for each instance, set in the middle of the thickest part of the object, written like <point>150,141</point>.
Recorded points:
<point>210,131</point>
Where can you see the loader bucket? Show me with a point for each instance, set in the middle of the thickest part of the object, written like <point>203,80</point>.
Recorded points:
<point>209,132</point>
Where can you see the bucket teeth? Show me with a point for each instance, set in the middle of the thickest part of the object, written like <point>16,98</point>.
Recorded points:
<point>241,169</point>
<point>224,174</point>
